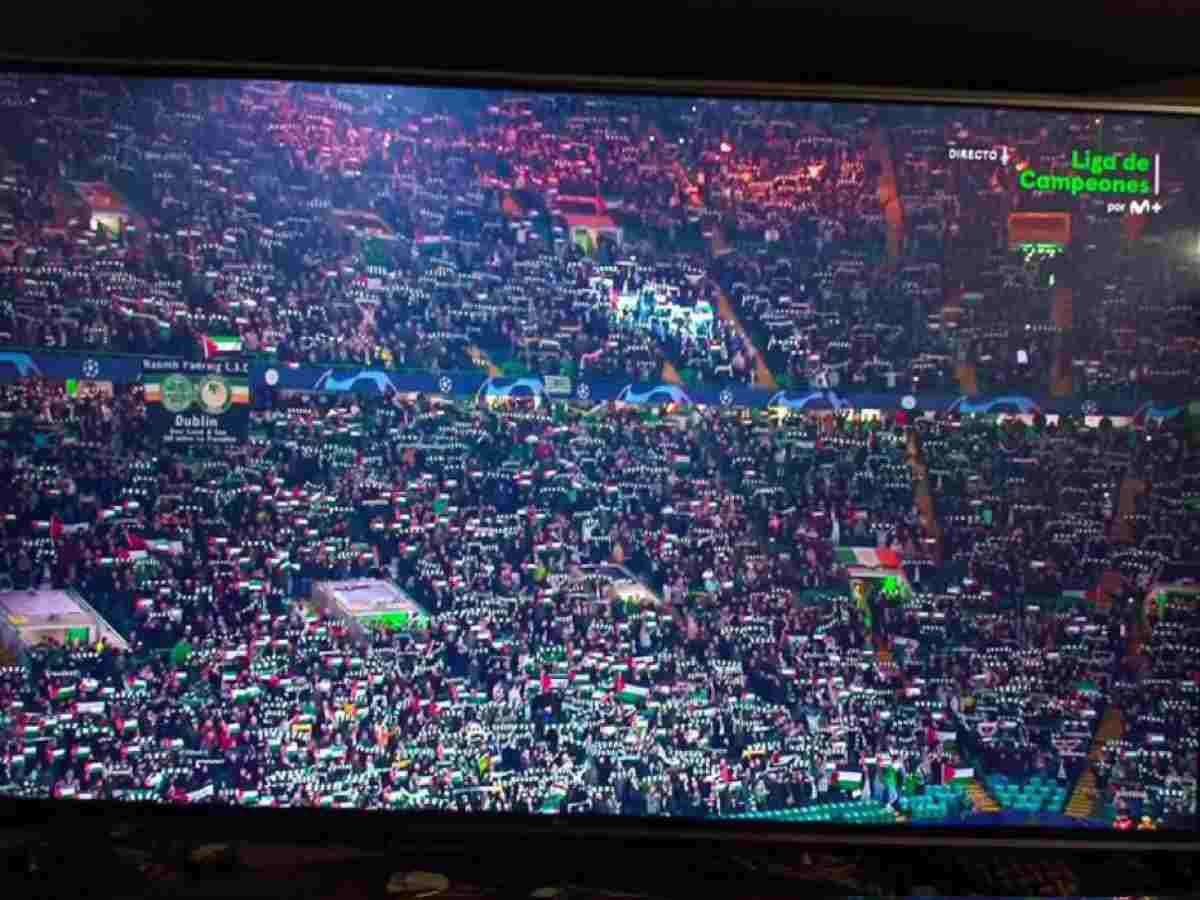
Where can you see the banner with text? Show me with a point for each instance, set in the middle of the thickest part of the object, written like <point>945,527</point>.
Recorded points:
<point>198,409</point>
<point>124,369</point>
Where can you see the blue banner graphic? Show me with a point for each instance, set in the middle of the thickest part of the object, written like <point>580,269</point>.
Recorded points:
<point>129,369</point>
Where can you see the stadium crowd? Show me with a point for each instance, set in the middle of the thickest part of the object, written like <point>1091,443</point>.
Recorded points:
<point>399,230</point>
<point>753,675</point>
<point>801,637</point>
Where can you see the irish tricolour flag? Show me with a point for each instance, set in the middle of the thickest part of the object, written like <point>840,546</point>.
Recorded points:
<point>216,345</point>
<point>871,557</point>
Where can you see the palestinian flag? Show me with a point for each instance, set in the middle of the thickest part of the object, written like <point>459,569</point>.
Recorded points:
<point>869,557</point>
<point>959,775</point>
<point>64,693</point>
<point>849,781</point>
<point>218,345</point>
<point>634,694</point>
<point>245,695</point>
<point>247,798</point>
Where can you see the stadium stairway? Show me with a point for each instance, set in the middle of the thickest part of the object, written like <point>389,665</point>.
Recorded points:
<point>1108,587</point>
<point>967,378</point>
<point>1112,726</point>
<point>889,194</point>
<point>1137,640</point>
<point>670,374</point>
<point>481,359</point>
<point>1131,489</point>
<point>1062,381</point>
<point>923,495</point>
<point>762,375</point>
<point>1085,799</point>
<point>980,798</point>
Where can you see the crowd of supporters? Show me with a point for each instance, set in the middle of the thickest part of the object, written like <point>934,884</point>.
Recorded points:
<point>1130,328</point>
<point>410,229</point>
<point>755,668</point>
<point>748,675</point>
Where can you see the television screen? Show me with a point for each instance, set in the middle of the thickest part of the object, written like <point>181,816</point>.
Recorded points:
<point>491,452</point>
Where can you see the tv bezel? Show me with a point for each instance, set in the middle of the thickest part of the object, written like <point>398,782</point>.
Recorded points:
<point>379,830</point>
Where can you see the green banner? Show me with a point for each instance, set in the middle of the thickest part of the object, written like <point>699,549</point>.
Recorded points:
<point>400,620</point>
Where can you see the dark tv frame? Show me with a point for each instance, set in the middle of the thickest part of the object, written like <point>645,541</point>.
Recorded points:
<point>381,830</point>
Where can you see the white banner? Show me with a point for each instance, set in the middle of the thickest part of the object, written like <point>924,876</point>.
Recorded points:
<point>202,793</point>
<point>1132,795</point>
<point>557,384</point>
